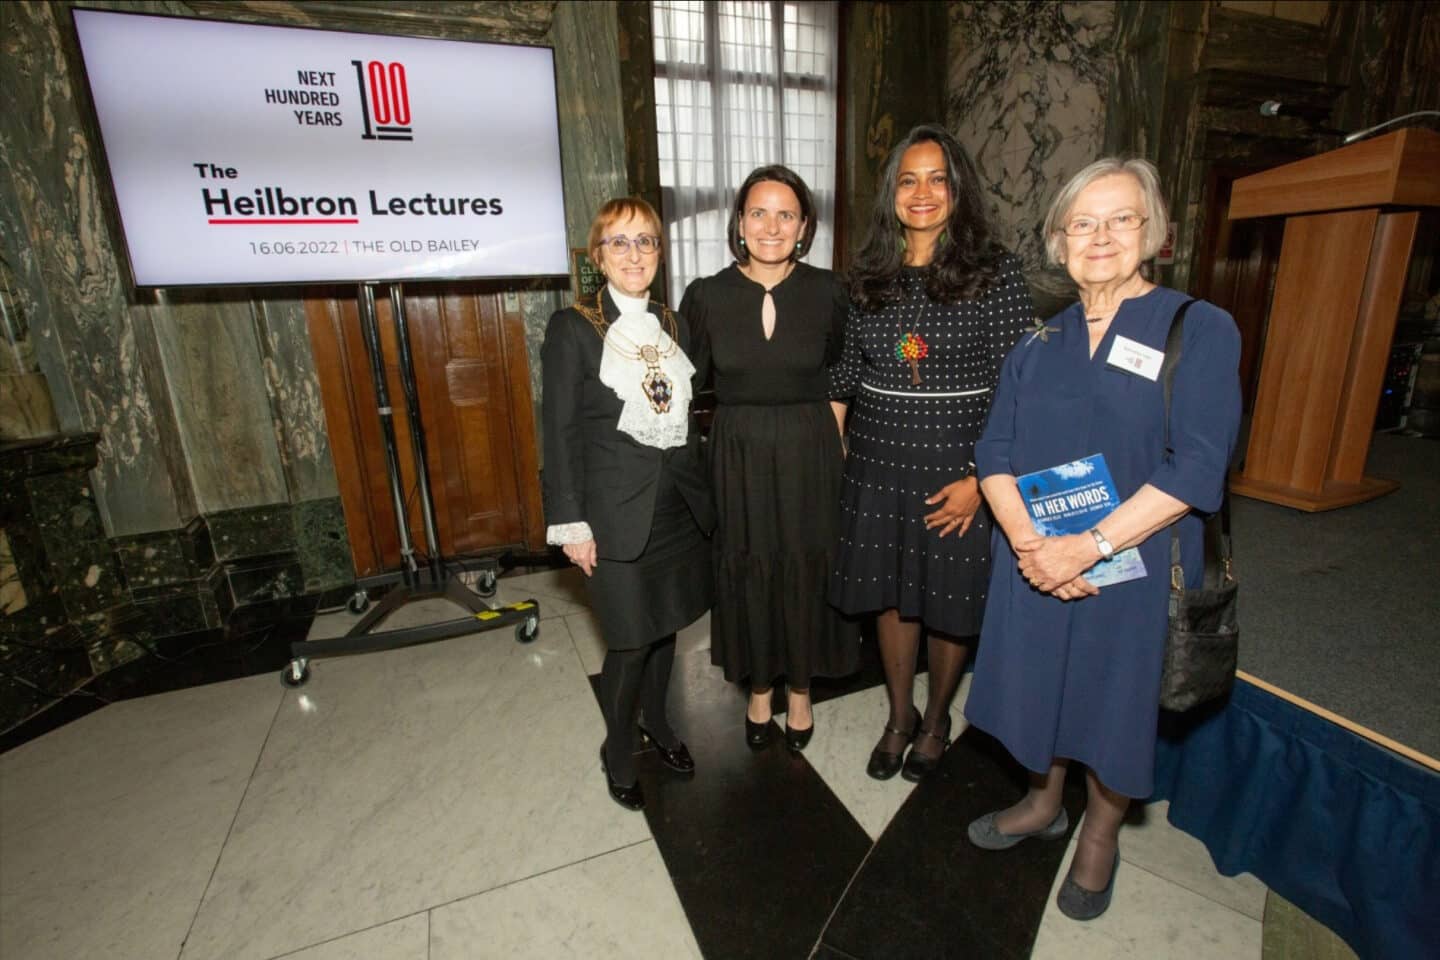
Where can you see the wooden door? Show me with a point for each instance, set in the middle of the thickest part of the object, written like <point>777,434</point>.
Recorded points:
<point>472,378</point>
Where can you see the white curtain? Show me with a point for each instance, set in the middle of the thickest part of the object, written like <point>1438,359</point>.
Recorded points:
<point>739,85</point>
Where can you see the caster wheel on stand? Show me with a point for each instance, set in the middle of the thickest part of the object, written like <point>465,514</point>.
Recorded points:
<point>527,632</point>
<point>485,583</point>
<point>296,673</point>
<point>359,602</point>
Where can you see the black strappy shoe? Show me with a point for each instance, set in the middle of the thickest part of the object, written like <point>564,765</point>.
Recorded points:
<point>917,765</point>
<point>883,764</point>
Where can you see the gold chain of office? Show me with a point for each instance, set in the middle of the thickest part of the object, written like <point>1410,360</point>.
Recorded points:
<point>658,388</point>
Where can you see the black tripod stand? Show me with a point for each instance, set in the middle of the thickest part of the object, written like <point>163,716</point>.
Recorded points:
<point>411,583</point>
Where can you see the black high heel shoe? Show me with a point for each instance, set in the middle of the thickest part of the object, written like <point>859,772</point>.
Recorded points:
<point>678,759</point>
<point>917,765</point>
<point>883,764</point>
<point>631,797</point>
<point>797,740</point>
<point>757,735</point>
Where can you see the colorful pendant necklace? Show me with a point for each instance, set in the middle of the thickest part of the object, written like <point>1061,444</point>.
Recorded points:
<point>911,347</point>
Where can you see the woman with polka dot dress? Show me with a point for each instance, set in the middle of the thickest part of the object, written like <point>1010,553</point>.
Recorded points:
<point>937,306</point>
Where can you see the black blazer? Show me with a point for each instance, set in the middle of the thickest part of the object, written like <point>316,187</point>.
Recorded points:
<point>593,472</point>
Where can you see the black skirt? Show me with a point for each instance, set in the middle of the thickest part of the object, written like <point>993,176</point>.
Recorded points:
<point>776,470</point>
<point>902,451</point>
<point>665,588</point>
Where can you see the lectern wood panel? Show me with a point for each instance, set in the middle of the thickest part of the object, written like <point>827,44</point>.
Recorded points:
<point>1374,330</point>
<point>1307,350</point>
<point>1342,269</point>
<point>1397,169</point>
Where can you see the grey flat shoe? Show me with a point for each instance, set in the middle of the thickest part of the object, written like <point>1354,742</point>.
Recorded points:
<point>1077,903</point>
<point>985,835</point>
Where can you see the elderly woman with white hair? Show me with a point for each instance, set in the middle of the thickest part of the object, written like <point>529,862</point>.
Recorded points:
<point>1068,671</point>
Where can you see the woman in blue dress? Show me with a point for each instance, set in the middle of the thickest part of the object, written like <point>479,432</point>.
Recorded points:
<point>1067,671</point>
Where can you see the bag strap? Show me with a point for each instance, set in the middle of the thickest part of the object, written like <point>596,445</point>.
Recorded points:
<point>1173,341</point>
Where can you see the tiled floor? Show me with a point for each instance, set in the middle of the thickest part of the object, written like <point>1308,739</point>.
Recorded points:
<point>445,802</point>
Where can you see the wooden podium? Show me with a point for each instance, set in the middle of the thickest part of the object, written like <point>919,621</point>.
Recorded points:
<point>1350,222</point>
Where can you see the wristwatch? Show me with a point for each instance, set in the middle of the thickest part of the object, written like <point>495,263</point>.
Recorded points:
<point>1106,550</point>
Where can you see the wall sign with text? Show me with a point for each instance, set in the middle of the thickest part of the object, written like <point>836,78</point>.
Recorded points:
<point>245,154</point>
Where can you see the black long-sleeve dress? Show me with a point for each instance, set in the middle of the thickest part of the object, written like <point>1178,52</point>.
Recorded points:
<point>775,462</point>
<point>909,440</point>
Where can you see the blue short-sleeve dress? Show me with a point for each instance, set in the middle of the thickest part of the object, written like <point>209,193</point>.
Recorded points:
<point>1080,679</point>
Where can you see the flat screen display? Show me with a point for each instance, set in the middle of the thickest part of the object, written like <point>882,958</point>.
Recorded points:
<point>244,154</point>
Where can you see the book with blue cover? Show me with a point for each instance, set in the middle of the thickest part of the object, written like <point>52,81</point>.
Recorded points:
<point>1072,498</point>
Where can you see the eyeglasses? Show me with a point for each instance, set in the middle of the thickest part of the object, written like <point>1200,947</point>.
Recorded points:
<point>1120,223</point>
<point>620,244</point>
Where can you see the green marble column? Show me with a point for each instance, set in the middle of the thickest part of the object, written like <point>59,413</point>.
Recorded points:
<point>586,38</point>
<point>81,310</point>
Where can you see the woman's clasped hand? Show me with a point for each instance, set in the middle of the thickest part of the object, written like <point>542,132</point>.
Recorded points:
<point>1056,564</point>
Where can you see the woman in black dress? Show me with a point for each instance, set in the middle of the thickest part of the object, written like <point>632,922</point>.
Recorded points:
<point>625,489</point>
<point>938,304</point>
<point>769,326</point>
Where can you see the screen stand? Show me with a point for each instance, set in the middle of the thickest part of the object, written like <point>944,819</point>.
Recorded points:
<point>412,582</point>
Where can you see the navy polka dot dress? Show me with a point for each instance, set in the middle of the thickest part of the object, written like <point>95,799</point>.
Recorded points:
<point>907,441</point>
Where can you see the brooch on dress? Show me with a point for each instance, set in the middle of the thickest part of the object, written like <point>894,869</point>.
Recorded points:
<point>1042,331</point>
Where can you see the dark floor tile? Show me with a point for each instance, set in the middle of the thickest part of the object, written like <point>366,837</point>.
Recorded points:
<point>925,893</point>
<point>759,849</point>
<point>70,707</point>
<point>257,641</point>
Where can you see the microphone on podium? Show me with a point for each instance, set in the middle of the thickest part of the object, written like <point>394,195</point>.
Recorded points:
<point>1362,134</point>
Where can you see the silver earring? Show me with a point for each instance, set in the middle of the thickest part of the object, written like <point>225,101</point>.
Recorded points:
<point>742,241</point>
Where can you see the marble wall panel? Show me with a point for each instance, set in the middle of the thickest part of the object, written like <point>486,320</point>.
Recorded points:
<point>166,557</point>
<point>586,38</point>
<point>79,557</point>
<point>592,123</point>
<point>216,382</point>
<point>82,317</point>
<point>1136,97</point>
<point>512,21</point>
<point>1027,88</point>
<point>252,532</point>
<point>293,386</point>
<point>321,543</point>
<point>536,306</point>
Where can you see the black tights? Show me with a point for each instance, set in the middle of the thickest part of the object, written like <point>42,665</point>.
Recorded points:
<point>899,646</point>
<point>631,679</point>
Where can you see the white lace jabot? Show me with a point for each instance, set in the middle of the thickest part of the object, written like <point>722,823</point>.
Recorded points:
<point>623,372</point>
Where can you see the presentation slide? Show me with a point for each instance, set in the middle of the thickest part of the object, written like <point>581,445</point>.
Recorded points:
<point>244,154</point>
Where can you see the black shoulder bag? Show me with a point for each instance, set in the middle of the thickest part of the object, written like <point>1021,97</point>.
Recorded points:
<point>1202,641</point>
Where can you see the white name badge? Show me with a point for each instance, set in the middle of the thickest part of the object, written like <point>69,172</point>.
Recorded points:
<point>1133,357</point>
